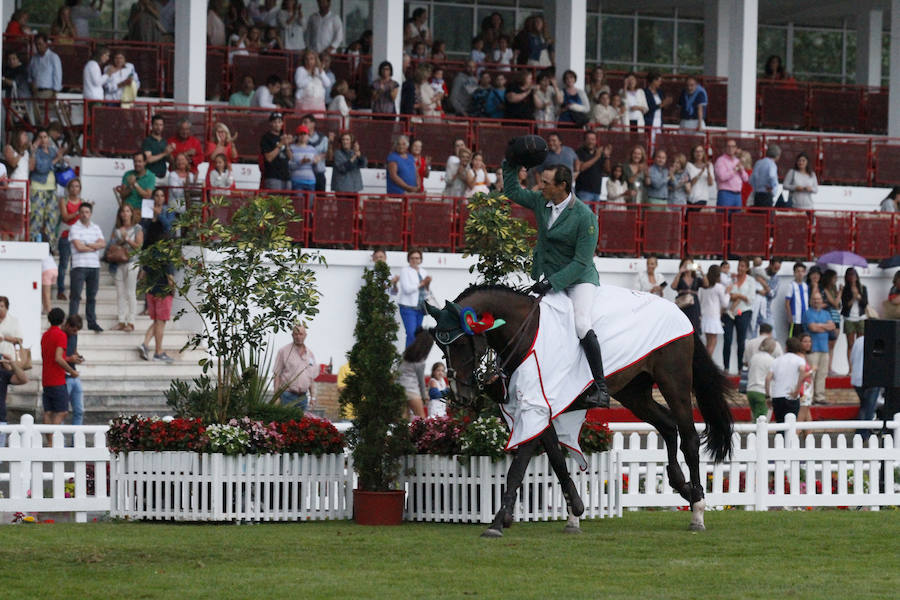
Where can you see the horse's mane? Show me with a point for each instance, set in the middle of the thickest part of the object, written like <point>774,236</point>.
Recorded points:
<point>492,287</point>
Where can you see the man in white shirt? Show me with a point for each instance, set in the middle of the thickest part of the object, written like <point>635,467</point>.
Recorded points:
<point>295,371</point>
<point>264,97</point>
<point>752,345</point>
<point>94,78</point>
<point>784,383</point>
<point>87,240</point>
<point>324,30</point>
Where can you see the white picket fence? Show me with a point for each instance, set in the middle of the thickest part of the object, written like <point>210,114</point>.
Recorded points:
<point>440,488</point>
<point>187,486</point>
<point>773,465</point>
<point>37,475</point>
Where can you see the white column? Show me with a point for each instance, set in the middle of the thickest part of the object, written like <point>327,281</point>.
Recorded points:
<point>716,37</point>
<point>742,65</point>
<point>387,37</point>
<point>869,25</point>
<point>190,52</point>
<point>570,37</point>
<point>894,75</point>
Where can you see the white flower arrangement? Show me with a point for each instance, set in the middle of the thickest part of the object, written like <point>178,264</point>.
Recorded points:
<point>228,439</point>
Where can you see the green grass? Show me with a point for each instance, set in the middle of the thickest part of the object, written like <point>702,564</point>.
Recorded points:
<point>819,554</point>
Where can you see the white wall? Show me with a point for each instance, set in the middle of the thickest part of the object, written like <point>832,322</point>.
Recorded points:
<point>20,281</point>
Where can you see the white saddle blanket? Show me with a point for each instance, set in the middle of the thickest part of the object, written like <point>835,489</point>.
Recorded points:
<point>629,326</point>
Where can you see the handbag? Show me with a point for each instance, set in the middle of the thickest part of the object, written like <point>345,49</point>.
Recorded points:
<point>684,300</point>
<point>871,313</point>
<point>23,357</point>
<point>117,254</point>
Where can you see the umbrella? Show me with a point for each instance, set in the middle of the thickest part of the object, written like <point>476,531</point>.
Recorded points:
<point>890,263</point>
<point>844,258</point>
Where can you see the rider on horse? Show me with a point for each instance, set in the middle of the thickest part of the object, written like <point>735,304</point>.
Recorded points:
<point>566,240</point>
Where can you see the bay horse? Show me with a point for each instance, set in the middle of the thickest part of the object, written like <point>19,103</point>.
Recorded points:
<point>676,368</point>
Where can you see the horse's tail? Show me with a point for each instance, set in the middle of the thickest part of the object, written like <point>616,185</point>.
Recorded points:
<point>710,387</point>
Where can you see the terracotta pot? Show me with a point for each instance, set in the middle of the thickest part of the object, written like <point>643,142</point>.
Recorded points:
<point>378,508</point>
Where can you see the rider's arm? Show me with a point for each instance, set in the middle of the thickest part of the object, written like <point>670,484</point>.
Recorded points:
<point>584,256</point>
<point>515,192</point>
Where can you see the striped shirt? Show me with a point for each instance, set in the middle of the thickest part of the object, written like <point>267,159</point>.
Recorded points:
<point>799,297</point>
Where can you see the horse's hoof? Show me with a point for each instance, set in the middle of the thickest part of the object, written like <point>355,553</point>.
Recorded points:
<point>572,529</point>
<point>507,519</point>
<point>492,533</point>
<point>697,527</point>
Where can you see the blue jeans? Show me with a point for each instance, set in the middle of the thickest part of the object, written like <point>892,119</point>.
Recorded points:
<point>276,184</point>
<point>586,196</point>
<point>309,186</point>
<point>867,399</point>
<point>291,399</point>
<point>742,323</point>
<point>76,399</point>
<point>65,253</point>
<point>729,199</point>
<point>412,320</point>
<point>82,276</point>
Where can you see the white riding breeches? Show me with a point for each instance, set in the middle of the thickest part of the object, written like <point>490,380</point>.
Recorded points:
<point>582,297</point>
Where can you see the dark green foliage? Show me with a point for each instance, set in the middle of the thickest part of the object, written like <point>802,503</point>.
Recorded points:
<point>501,242</point>
<point>379,436</point>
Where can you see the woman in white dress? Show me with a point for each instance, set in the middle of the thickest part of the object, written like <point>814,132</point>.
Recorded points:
<point>801,183</point>
<point>635,102</point>
<point>120,75</point>
<point>713,300</point>
<point>617,188</point>
<point>477,176</point>
<point>16,154</point>
<point>649,280</point>
<point>310,82</point>
<point>703,182</point>
<point>180,178</point>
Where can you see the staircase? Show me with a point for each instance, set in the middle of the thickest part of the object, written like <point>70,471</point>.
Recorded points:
<point>115,378</point>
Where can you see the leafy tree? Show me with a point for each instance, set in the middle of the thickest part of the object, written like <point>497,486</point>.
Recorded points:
<point>501,242</point>
<point>379,436</point>
<point>245,278</point>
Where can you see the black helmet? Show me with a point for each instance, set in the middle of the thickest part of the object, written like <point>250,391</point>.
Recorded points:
<point>526,151</point>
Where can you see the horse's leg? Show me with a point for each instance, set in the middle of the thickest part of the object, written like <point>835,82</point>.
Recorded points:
<point>514,477</point>
<point>637,397</point>
<point>557,459</point>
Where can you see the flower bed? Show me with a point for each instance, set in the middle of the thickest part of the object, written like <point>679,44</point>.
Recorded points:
<point>242,470</point>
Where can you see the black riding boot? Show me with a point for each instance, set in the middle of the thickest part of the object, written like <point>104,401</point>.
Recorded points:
<point>595,360</point>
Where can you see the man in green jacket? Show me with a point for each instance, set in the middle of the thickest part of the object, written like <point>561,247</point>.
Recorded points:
<point>564,253</point>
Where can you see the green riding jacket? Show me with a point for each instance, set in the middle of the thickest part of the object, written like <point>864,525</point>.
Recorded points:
<point>564,254</point>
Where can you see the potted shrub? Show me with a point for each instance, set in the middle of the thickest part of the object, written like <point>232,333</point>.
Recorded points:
<point>379,437</point>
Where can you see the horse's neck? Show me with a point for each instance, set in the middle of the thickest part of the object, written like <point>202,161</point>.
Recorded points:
<point>513,339</point>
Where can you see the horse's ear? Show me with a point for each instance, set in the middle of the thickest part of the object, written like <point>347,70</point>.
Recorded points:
<point>434,311</point>
<point>453,306</point>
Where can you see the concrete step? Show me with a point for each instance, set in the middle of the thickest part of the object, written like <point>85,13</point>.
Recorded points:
<point>103,385</point>
<point>173,340</point>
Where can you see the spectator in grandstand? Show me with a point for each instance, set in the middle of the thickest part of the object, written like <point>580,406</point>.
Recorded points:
<point>617,186</point>
<point>558,155</point>
<point>520,96</point>
<point>285,99</point>
<point>219,177</point>
<point>156,149</point>
<point>679,181</point>
<point>340,102</point>
<point>464,85</point>
<point>62,27</point>
<point>765,177</point>
<point>740,312</point>
<point>768,287</point>
<point>385,90</point>
<point>478,106</point>
<point>477,176</point>
<point>700,176</point>
<point>10,330</point>
<point>163,217</point>
<point>87,241</point>
<point>346,175</point>
<point>290,20</point>
<point>180,181</point>
<point>215,23</point>
<point>271,40</point>
<point>592,163</point>
<point>419,51</point>
<point>18,24</point>
<point>693,102</point>
<point>44,73</point>
<point>321,143</point>
<point>222,143</point>
<point>760,364</point>
<point>801,183</point>
<point>244,95</point>
<point>237,16</point>
<point>160,284</point>
<point>401,169</point>
<point>303,159</point>
<point>324,30</point>
<point>15,77</point>
<point>889,204</point>
<point>83,12</point>
<point>411,372</point>
<point>747,163</point>
<point>502,54</point>
<point>635,173</point>
<point>658,179</point>
<point>44,210</point>
<point>94,80</point>
<point>264,13</point>
<point>143,22</point>
<point>532,45</point>
<point>264,97</point>
<point>54,369</point>
<point>547,100</point>
<point>818,323</point>
<point>854,300</point>
<point>123,83</point>
<point>423,163</point>
<point>412,285</point>
<point>455,182</point>
<point>428,102</point>
<point>295,370</point>
<point>310,82</point>
<point>68,215</point>
<point>137,185</point>
<point>730,174</point>
<point>649,280</point>
<point>477,53</point>
<point>635,102</point>
<point>832,298</point>
<point>276,154</point>
<point>689,280</point>
<point>328,76</point>
<point>11,373</point>
<point>656,102</point>
<point>128,234</point>
<point>784,381</point>
<point>774,68</point>
<point>868,396</point>
<point>714,299</point>
<point>492,31</point>
<point>17,155</point>
<point>603,114</point>
<point>187,144</point>
<point>596,85</point>
<point>796,300</point>
<point>495,103</point>
<point>439,51</point>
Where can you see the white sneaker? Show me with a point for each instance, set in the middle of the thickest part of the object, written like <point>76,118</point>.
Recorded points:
<point>145,351</point>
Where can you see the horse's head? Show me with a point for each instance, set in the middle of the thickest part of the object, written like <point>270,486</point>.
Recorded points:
<point>470,361</point>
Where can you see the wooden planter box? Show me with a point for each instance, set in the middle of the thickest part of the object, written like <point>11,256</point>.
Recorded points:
<point>187,486</point>
<point>439,488</point>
